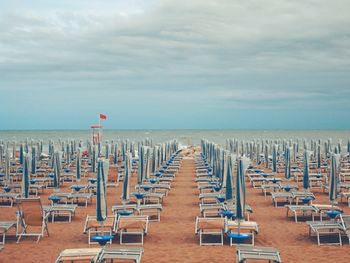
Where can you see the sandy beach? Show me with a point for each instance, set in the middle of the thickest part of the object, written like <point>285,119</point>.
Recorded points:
<point>173,239</point>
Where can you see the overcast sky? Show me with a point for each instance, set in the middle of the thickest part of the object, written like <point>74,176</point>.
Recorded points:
<point>175,64</point>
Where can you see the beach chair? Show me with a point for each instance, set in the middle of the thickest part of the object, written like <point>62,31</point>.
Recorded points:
<point>120,253</point>
<point>5,226</point>
<point>31,217</point>
<point>79,255</point>
<point>304,209</point>
<point>246,252</point>
<point>210,227</point>
<point>325,228</point>
<point>93,227</point>
<point>248,227</point>
<point>132,225</point>
<point>59,210</point>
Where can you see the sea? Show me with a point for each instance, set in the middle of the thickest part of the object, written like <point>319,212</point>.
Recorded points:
<point>185,137</point>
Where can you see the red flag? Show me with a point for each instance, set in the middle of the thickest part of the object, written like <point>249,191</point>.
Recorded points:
<point>103,117</point>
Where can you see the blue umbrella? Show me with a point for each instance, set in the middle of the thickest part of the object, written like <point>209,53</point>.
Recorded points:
<point>21,153</point>
<point>240,189</point>
<point>78,166</point>
<point>287,172</point>
<point>229,181</point>
<point>25,179</point>
<point>33,163</point>
<point>141,166</point>
<point>101,200</point>
<point>115,157</point>
<point>57,171</point>
<point>7,165</point>
<point>266,156</point>
<point>318,155</point>
<point>333,180</point>
<point>306,180</point>
<point>274,159</point>
<point>126,191</point>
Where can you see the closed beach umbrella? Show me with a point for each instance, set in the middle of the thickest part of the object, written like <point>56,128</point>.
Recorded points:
<point>229,179</point>
<point>57,171</point>
<point>266,156</point>
<point>287,173</point>
<point>140,167</point>
<point>21,153</point>
<point>78,166</point>
<point>7,165</point>
<point>33,163</point>
<point>318,159</point>
<point>25,178</point>
<point>148,163</point>
<point>240,187</point>
<point>101,200</point>
<point>126,193</point>
<point>306,181</point>
<point>274,159</point>
<point>93,159</point>
<point>333,180</point>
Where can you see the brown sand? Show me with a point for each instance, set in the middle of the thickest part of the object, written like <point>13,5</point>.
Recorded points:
<point>173,239</point>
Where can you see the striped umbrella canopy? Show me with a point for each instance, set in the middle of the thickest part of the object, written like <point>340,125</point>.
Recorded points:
<point>101,198</point>
<point>25,178</point>
<point>56,171</point>
<point>229,179</point>
<point>126,190</point>
<point>33,161</point>
<point>333,178</point>
<point>78,166</point>
<point>240,187</point>
<point>306,180</point>
<point>287,173</point>
<point>274,158</point>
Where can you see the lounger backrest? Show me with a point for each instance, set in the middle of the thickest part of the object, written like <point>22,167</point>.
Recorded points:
<point>210,223</point>
<point>30,209</point>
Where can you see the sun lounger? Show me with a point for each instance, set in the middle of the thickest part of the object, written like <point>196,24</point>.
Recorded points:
<point>8,198</point>
<point>286,196</point>
<point>93,227</point>
<point>132,225</point>
<point>210,227</point>
<point>60,210</point>
<point>325,228</point>
<point>248,227</point>
<point>247,252</point>
<point>79,255</point>
<point>121,253</point>
<point>301,208</point>
<point>5,226</point>
<point>151,210</point>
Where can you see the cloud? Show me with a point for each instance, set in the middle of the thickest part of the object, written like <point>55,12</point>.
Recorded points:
<point>223,54</point>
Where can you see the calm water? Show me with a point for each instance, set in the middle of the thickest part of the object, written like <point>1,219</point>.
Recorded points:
<point>184,136</point>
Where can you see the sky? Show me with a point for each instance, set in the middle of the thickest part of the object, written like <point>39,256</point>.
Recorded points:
<point>184,64</point>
